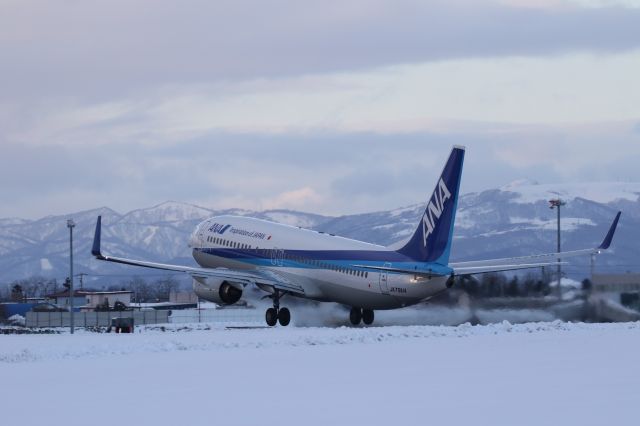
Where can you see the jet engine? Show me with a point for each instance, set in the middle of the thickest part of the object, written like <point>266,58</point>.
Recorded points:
<point>217,290</point>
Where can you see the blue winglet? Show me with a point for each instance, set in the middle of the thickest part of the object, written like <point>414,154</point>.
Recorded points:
<point>607,240</point>
<point>96,239</point>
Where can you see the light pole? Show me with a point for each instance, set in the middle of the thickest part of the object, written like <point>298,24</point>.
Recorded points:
<point>556,204</point>
<point>70,225</point>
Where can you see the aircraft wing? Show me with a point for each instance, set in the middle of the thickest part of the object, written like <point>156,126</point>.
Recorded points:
<point>259,278</point>
<point>533,261</point>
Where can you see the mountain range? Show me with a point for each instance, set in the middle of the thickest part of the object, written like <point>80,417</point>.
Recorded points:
<point>509,221</point>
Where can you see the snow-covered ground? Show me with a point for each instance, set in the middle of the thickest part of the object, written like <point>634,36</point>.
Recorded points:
<point>528,374</point>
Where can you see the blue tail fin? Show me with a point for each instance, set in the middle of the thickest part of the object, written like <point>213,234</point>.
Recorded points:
<point>431,242</point>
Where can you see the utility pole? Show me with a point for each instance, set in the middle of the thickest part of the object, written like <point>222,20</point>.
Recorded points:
<point>556,204</point>
<point>81,275</point>
<point>70,225</point>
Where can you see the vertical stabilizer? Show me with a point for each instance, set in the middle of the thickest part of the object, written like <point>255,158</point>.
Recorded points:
<point>431,242</point>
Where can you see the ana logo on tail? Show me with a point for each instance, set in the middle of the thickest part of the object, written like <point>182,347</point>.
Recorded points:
<point>434,209</point>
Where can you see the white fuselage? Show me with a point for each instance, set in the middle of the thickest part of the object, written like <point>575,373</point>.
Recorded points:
<point>322,264</point>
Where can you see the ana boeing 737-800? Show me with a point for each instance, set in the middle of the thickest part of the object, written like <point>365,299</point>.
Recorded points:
<point>234,252</point>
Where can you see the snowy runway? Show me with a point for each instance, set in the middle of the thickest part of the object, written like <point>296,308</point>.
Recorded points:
<point>546,373</point>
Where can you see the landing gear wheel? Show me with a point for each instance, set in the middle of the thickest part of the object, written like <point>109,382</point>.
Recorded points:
<point>284,317</point>
<point>271,316</point>
<point>367,316</point>
<point>355,316</point>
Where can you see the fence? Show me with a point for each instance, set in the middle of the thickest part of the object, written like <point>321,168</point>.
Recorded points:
<point>103,319</point>
<point>230,315</point>
<point>93,319</point>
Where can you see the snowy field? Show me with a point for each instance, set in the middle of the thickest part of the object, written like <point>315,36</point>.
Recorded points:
<point>502,374</point>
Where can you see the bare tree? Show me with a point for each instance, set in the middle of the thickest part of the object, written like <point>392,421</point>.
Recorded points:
<point>142,291</point>
<point>164,286</point>
<point>31,287</point>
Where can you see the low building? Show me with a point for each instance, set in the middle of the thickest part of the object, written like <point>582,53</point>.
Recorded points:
<point>9,309</point>
<point>88,300</point>
<point>623,288</point>
<point>62,298</point>
<point>107,298</point>
<point>183,297</point>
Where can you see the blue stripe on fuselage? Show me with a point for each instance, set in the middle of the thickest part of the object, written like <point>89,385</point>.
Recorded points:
<point>310,258</point>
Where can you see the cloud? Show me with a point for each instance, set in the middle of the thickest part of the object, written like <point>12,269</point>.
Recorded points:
<point>108,48</point>
<point>331,173</point>
<point>338,106</point>
<point>430,97</point>
<point>306,199</point>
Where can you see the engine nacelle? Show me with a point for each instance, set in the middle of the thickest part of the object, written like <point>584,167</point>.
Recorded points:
<point>217,290</point>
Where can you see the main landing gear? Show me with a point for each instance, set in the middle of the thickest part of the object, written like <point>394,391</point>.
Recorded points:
<point>277,314</point>
<point>365,315</point>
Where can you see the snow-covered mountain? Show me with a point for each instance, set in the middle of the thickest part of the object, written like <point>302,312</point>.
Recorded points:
<point>512,220</point>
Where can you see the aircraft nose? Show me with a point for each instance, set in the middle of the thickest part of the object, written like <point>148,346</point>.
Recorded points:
<point>193,239</point>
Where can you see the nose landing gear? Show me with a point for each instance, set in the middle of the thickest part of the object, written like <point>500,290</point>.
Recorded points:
<point>277,314</point>
<point>365,315</point>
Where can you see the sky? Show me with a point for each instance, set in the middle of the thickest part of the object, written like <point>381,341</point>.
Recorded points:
<point>335,107</point>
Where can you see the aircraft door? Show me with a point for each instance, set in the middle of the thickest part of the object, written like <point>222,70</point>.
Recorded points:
<point>384,280</point>
<point>201,231</point>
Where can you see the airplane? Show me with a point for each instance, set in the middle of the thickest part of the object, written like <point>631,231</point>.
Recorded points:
<point>234,252</point>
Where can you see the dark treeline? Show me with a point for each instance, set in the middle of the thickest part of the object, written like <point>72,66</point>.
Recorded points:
<point>534,284</point>
<point>501,285</point>
<point>39,287</point>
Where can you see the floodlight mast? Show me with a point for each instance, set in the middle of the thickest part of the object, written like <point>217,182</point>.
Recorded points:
<point>71,224</point>
<point>556,203</point>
